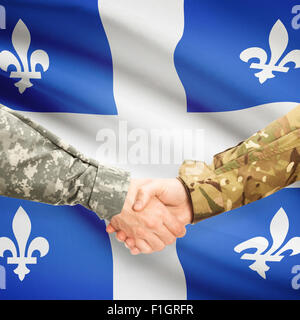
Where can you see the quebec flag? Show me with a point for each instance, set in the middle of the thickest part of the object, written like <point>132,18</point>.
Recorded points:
<point>94,71</point>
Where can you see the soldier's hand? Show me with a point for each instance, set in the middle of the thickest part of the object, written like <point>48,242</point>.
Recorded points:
<point>172,194</point>
<point>150,229</point>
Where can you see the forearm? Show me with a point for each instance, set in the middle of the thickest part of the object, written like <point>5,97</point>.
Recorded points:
<point>261,165</point>
<point>36,165</point>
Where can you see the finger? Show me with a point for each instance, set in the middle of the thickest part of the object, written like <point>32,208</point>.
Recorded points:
<point>110,229</point>
<point>159,228</point>
<point>115,223</point>
<point>154,242</point>
<point>165,235</point>
<point>131,194</point>
<point>130,243</point>
<point>145,193</point>
<point>121,236</point>
<point>173,225</point>
<point>135,251</point>
<point>143,246</point>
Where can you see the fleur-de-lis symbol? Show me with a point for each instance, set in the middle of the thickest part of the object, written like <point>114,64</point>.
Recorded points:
<point>278,41</point>
<point>25,70</point>
<point>278,228</point>
<point>22,229</point>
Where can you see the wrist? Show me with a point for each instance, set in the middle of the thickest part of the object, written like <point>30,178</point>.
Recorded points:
<point>109,191</point>
<point>186,215</point>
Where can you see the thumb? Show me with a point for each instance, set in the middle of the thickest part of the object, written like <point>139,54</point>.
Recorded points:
<point>145,193</point>
<point>110,229</point>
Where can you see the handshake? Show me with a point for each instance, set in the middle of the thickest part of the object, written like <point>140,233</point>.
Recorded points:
<point>154,214</point>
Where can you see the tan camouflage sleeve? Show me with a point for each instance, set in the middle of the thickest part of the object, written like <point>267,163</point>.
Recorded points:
<point>36,165</point>
<point>256,168</point>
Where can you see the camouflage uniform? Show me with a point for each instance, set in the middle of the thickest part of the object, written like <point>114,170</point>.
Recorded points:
<point>36,165</point>
<point>256,168</point>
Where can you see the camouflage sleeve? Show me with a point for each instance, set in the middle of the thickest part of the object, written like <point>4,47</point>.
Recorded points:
<point>256,168</point>
<point>36,165</point>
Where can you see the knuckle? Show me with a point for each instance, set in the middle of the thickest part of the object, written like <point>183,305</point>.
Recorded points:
<point>151,223</point>
<point>121,236</point>
<point>141,192</point>
<point>140,232</point>
<point>179,230</point>
<point>182,233</point>
<point>114,222</point>
<point>130,243</point>
<point>160,247</point>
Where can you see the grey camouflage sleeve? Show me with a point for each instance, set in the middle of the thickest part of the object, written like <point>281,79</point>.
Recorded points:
<point>36,165</point>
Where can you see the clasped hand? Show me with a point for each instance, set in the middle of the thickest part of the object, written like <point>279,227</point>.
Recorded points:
<point>154,214</point>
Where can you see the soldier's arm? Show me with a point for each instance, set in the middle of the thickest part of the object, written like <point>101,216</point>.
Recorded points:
<point>261,165</point>
<point>36,165</point>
